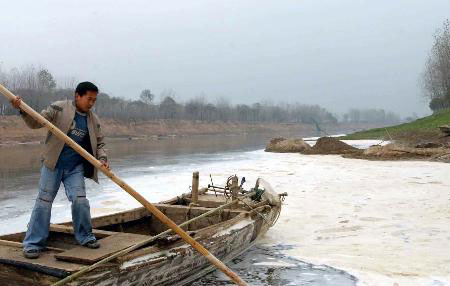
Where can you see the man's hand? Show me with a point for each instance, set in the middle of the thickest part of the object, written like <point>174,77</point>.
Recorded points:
<point>16,102</point>
<point>105,164</point>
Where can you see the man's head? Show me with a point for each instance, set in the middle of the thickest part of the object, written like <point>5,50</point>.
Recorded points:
<point>85,96</point>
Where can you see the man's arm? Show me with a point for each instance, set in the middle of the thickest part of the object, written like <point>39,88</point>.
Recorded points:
<point>48,114</point>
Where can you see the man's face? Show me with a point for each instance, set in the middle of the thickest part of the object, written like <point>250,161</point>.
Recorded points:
<point>86,102</point>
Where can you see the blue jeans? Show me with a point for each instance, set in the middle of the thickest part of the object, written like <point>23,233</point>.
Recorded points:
<point>73,180</point>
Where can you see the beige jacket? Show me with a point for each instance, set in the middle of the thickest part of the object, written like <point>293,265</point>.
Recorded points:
<point>62,114</point>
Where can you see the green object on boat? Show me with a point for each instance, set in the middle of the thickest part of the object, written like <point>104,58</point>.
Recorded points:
<point>258,195</point>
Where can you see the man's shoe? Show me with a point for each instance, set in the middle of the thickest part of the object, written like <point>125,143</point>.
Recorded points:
<point>92,244</point>
<point>31,253</point>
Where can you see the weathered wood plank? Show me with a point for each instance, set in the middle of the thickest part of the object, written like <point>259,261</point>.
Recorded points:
<point>20,245</point>
<point>68,229</point>
<point>9,254</point>
<point>121,217</point>
<point>109,245</point>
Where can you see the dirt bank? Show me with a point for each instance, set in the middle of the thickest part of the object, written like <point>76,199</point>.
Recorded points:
<point>431,150</point>
<point>323,146</point>
<point>397,151</point>
<point>283,145</point>
<point>331,145</point>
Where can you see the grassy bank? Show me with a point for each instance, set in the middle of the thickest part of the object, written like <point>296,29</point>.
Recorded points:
<point>426,127</point>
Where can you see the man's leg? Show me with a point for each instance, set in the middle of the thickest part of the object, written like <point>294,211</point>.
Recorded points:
<point>81,213</point>
<point>38,227</point>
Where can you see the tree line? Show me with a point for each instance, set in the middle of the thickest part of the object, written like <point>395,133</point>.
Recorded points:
<point>373,116</point>
<point>39,88</point>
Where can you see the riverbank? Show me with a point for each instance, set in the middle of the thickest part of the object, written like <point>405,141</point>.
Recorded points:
<point>436,150</point>
<point>13,130</point>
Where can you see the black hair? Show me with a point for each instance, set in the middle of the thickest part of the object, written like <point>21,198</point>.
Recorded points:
<point>84,87</point>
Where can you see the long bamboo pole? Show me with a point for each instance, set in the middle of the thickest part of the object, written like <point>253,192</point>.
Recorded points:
<point>150,207</point>
<point>89,268</point>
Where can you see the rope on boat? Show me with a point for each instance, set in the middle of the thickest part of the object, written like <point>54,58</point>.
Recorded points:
<point>282,198</point>
<point>277,217</point>
<point>251,208</point>
<point>257,196</point>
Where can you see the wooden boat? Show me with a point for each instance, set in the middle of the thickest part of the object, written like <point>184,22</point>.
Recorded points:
<point>166,261</point>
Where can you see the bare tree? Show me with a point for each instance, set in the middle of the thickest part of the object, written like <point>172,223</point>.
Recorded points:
<point>168,92</point>
<point>147,96</point>
<point>168,108</point>
<point>223,109</point>
<point>195,108</point>
<point>67,82</point>
<point>3,77</point>
<point>436,75</point>
<point>256,110</point>
<point>45,80</point>
<point>210,112</point>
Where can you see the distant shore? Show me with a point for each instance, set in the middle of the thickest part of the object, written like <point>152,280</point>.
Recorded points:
<point>14,131</point>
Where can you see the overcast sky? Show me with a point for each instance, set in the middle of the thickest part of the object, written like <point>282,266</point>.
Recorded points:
<point>336,53</point>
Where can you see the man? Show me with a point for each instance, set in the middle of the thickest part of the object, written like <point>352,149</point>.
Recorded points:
<point>62,164</point>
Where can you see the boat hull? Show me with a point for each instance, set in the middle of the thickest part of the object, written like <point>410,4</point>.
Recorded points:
<point>187,265</point>
<point>230,234</point>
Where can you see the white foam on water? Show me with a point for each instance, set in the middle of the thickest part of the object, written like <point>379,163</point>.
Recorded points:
<point>275,263</point>
<point>384,222</point>
<point>315,138</point>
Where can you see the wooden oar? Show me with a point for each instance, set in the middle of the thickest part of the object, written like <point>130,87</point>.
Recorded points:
<point>151,208</point>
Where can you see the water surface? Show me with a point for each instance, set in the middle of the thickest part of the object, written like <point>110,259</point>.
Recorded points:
<point>161,170</point>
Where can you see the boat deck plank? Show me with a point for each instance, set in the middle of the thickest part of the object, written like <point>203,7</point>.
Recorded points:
<point>109,245</point>
<point>13,255</point>
<point>69,229</point>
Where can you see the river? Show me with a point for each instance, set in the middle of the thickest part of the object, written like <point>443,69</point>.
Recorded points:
<point>345,222</point>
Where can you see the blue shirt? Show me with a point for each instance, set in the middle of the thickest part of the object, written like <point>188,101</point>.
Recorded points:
<point>78,132</point>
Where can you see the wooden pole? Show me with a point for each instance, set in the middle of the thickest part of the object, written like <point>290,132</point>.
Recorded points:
<point>89,268</point>
<point>234,187</point>
<point>194,193</point>
<point>150,207</point>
